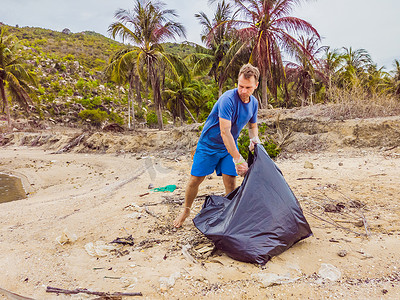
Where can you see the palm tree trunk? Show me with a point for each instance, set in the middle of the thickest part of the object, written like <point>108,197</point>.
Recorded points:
<point>130,96</point>
<point>329,91</point>
<point>181,111</point>
<point>155,82</point>
<point>129,113</point>
<point>131,102</point>
<point>5,103</point>
<point>187,109</point>
<point>219,90</point>
<point>157,102</point>
<point>158,109</point>
<point>264,99</point>
<point>138,95</point>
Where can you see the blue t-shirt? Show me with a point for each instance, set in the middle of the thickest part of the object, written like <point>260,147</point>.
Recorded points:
<point>230,107</point>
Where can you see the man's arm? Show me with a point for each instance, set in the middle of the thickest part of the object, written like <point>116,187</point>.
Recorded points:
<point>229,142</point>
<point>253,130</point>
<point>240,164</point>
<point>253,135</point>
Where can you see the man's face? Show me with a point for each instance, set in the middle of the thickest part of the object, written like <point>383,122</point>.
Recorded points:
<point>246,87</point>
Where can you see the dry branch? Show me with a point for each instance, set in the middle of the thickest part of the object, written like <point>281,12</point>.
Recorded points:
<point>86,291</point>
<point>70,145</point>
<point>334,224</point>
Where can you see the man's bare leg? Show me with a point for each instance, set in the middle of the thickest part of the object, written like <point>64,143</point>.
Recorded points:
<point>190,194</point>
<point>229,183</point>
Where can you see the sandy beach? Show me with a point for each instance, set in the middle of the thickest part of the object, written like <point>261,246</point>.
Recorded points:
<point>78,203</point>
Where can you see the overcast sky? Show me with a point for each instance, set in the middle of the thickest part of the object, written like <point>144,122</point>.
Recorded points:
<point>369,24</point>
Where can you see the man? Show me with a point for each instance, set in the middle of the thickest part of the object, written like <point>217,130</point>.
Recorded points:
<point>217,147</point>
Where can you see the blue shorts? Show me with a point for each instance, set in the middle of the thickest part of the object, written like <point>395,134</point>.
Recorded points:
<point>206,161</point>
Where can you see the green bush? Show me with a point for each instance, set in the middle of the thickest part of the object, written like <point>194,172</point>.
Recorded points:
<point>55,85</point>
<point>80,84</point>
<point>41,90</point>
<point>244,142</point>
<point>151,119</point>
<point>94,116</point>
<point>107,100</point>
<point>116,118</point>
<point>89,103</point>
<point>65,92</point>
<point>139,114</point>
<point>271,148</point>
<point>69,57</point>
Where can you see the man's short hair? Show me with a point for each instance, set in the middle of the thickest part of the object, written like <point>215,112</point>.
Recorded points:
<point>249,70</point>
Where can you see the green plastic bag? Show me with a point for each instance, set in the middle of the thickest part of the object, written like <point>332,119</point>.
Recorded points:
<point>167,188</point>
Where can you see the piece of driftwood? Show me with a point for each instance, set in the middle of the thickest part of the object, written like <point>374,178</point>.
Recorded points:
<point>124,240</point>
<point>50,289</point>
<point>334,223</point>
<point>70,145</point>
<point>391,148</point>
<point>150,213</point>
<point>308,178</point>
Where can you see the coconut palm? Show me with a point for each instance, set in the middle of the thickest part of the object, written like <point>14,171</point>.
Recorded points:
<point>355,66</point>
<point>14,79</point>
<point>121,70</point>
<point>378,80</point>
<point>267,29</point>
<point>205,98</point>
<point>218,36</point>
<point>307,69</point>
<point>147,26</point>
<point>396,78</point>
<point>179,93</point>
<point>331,65</point>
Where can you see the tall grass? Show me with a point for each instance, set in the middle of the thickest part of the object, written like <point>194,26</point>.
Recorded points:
<point>354,103</point>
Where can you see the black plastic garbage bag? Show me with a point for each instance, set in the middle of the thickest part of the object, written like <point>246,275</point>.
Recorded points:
<point>260,219</point>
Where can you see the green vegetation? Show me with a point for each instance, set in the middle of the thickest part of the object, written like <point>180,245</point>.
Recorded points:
<point>91,49</point>
<point>146,26</point>
<point>268,143</point>
<point>94,116</point>
<point>14,78</point>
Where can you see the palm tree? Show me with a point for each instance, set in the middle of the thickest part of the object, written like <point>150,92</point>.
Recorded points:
<point>218,36</point>
<point>179,93</point>
<point>308,69</point>
<point>331,64</point>
<point>205,98</point>
<point>355,66</point>
<point>13,77</point>
<point>378,80</point>
<point>121,70</point>
<point>147,26</point>
<point>267,30</point>
<point>396,78</point>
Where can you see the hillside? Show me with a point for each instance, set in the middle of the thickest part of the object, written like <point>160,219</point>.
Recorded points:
<point>69,71</point>
<point>92,50</point>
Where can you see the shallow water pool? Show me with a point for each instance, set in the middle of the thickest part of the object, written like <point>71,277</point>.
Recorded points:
<point>11,188</point>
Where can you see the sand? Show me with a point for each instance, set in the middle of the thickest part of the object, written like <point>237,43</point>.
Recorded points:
<point>102,197</point>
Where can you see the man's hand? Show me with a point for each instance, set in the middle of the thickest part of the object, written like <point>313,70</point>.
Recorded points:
<point>241,166</point>
<point>255,140</point>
